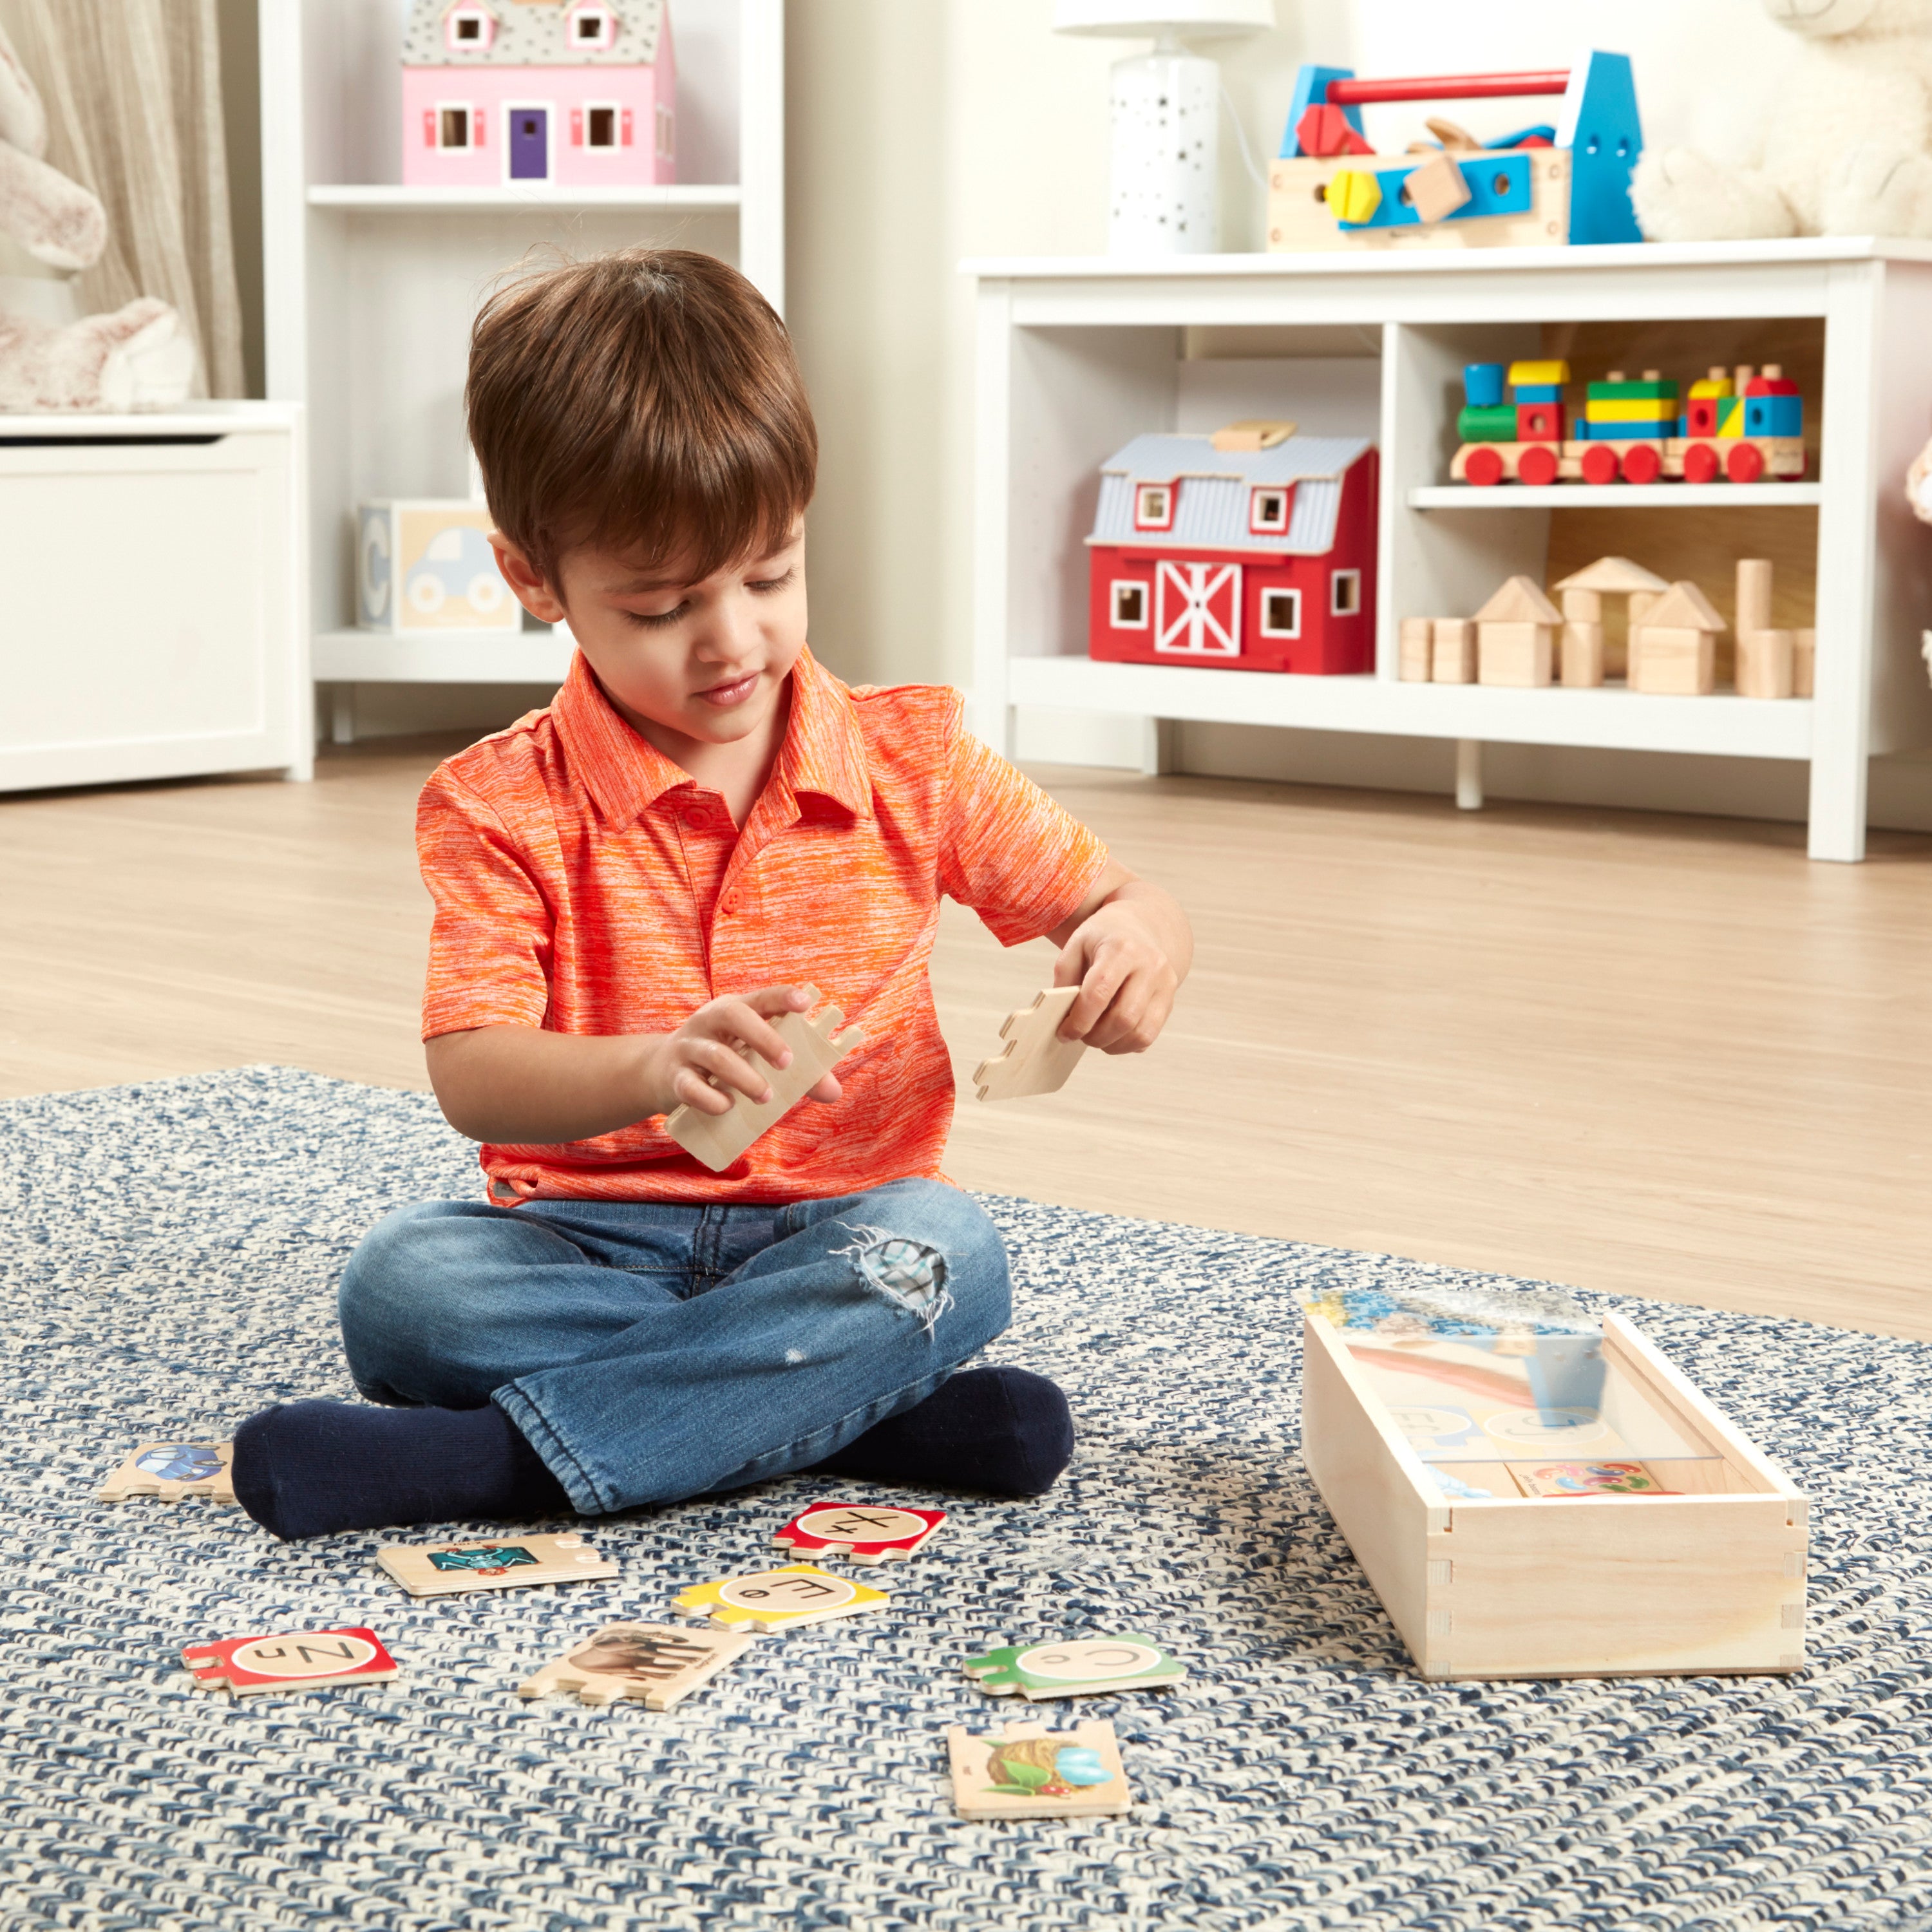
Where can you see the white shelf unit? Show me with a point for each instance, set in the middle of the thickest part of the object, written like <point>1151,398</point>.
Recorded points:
<point>1076,355</point>
<point>371,286</point>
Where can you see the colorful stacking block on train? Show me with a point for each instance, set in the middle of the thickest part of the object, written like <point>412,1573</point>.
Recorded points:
<point>1617,409</point>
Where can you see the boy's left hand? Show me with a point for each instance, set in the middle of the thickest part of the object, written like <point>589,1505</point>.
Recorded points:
<point>1126,978</point>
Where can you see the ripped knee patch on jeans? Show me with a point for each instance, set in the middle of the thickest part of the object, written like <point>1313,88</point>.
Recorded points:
<point>909,1272</point>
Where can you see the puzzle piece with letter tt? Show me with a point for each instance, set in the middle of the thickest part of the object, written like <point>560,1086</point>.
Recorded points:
<point>655,1663</point>
<point>309,1660</point>
<point>1035,1059</point>
<point>173,1470</point>
<point>1075,1666</point>
<point>450,1569</point>
<point>866,1532</point>
<point>1031,1772</point>
<point>792,1594</point>
<point>719,1139</point>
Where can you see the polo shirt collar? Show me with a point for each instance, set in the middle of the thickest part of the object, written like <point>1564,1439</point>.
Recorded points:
<point>823,753</point>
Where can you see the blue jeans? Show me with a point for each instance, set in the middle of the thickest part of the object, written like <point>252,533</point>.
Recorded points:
<point>650,1351</point>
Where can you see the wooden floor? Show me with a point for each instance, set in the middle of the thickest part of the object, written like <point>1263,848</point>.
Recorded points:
<point>1663,1056</point>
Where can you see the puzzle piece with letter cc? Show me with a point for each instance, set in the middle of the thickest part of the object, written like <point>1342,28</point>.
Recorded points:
<point>1075,1666</point>
<point>654,1664</point>
<point>309,1660</point>
<point>1035,1059</point>
<point>794,1594</point>
<point>866,1532</point>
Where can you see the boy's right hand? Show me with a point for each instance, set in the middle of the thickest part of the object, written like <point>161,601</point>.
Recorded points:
<point>702,1064</point>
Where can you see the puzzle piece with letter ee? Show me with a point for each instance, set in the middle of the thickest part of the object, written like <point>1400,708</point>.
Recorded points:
<point>450,1569</point>
<point>866,1532</point>
<point>794,1594</point>
<point>1075,1665</point>
<point>173,1470</point>
<point>309,1660</point>
<point>1035,1059</point>
<point>1031,1772</point>
<point>654,1664</point>
<point>719,1139</point>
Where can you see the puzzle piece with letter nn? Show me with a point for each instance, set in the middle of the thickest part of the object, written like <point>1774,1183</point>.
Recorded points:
<point>309,1660</point>
<point>1075,1666</point>
<point>1031,1772</point>
<point>450,1569</point>
<point>173,1470</point>
<point>792,1594</point>
<point>719,1139</point>
<point>654,1664</point>
<point>1035,1059</point>
<point>866,1532</point>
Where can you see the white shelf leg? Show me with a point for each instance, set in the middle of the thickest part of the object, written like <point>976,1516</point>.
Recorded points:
<point>1159,737</point>
<point>1468,775</point>
<point>342,714</point>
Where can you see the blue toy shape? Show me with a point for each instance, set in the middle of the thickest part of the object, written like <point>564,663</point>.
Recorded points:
<point>1483,384</point>
<point>1600,126</point>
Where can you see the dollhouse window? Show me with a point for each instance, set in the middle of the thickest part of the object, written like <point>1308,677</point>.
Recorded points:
<point>1153,506</point>
<point>1268,511</point>
<point>1130,604</point>
<point>453,128</point>
<point>1344,593</point>
<point>592,29</point>
<point>469,29</point>
<point>600,126</point>
<point>1281,614</point>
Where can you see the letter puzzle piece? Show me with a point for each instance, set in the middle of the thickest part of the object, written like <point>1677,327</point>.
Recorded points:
<point>290,1661</point>
<point>719,1139</point>
<point>654,1664</point>
<point>1036,1059</point>
<point>866,1532</point>
<point>1072,1669</point>
<point>1586,1479</point>
<point>450,1569</point>
<point>173,1470</point>
<point>794,1594</point>
<point>1030,1772</point>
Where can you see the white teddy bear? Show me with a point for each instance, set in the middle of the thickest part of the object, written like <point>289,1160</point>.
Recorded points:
<point>1848,141</point>
<point>137,357</point>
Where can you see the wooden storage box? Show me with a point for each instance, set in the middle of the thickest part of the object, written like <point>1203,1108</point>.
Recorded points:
<point>1606,1586</point>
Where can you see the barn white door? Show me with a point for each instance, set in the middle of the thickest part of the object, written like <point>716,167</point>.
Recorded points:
<point>1198,609</point>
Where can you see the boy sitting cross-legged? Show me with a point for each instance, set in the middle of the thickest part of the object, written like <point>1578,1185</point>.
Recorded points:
<point>630,885</point>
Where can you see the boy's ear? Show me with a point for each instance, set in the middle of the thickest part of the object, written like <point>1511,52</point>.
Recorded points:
<point>533,588</point>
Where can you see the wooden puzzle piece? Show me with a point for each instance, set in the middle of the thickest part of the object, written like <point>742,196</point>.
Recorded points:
<point>452,1569</point>
<point>1075,1666</point>
<point>309,1660</point>
<point>794,1594</point>
<point>719,1139</point>
<point>1036,1059</point>
<point>1586,1479</point>
<point>173,1470</point>
<point>1030,1772</point>
<point>866,1532</point>
<point>654,1664</point>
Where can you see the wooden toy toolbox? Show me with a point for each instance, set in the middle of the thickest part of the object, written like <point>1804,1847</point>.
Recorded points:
<point>1608,1586</point>
<point>1566,183</point>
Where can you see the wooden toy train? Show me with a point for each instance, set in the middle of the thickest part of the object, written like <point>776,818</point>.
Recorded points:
<point>1744,426</point>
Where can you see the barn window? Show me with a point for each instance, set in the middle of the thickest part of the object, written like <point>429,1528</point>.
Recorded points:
<point>1268,511</point>
<point>1153,506</point>
<point>1281,614</point>
<point>601,125</point>
<point>452,128</point>
<point>1344,593</point>
<point>1130,604</point>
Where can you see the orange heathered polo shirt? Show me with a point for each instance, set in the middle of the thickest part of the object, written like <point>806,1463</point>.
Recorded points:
<point>585,883</point>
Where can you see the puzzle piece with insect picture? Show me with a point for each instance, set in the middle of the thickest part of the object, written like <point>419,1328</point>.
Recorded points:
<point>786,1598</point>
<point>717,1140</point>
<point>654,1664</point>
<point>306,1659</point>
<point>1074,1666</point>
<point>452,1569</point>
<point>1027,1771</point>
<point>1035,1059</point>
<point>865,1532</point>
<point>173,1470</point>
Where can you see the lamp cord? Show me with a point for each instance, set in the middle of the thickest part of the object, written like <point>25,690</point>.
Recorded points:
<point>1241,135</point>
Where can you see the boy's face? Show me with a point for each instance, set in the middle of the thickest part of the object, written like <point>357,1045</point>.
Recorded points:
<point>704,661</point>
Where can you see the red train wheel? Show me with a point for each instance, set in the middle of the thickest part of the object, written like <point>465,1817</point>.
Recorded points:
<point>1484,467</point>
<point>1700,464</point>
<point>1600,463</point>
<point>1536,466</point>
<point>1745,464</point>
<point>1642,463</point>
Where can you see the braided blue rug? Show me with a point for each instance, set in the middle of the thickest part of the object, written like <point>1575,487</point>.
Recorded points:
<point>167,1264</point>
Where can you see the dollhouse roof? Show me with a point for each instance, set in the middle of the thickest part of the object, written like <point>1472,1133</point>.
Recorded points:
<point>1210,509</point>
<point>530,33</point>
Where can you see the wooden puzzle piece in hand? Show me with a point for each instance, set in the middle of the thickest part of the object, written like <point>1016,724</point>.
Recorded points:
<point>1028,1771</point>
<point>309,1660</point>
<point>792,1594</point>
<point>1073,1666</point>
<point>866,1532</point>
<point>655,1663</point>
<point>173,1470</point>
<point>1036,1059</point>
<point>450,1569</point>
<point>719,1139</point>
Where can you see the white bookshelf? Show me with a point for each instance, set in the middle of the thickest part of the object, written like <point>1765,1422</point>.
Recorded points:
<point>371,286</point>
<point>1076,355</point>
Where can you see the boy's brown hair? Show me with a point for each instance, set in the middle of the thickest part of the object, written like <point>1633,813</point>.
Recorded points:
<point>647,401</point>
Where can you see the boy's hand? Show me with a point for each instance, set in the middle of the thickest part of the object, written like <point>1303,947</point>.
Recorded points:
<point>702,1064</point>
<point>1126,979</point>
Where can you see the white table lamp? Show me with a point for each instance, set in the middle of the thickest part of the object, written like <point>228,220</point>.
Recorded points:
<point>1165,178</point>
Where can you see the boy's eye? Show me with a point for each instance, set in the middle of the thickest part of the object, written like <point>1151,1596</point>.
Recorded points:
<point>654,620</point>
<point>764,586</point>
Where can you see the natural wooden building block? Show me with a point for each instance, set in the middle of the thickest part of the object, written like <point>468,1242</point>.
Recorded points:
<point>1754,578</point>
<point>1035,1059</point>
<point>1668,661</point>
<point>1513,654</point>
<point>1027,1771</point>
<point>654,1664</point>
<point>1582,607</point>
<point>1581,653</point>
<point>1436,189</point>
<point>1453,657</point>
<point>1415,645</point>
<point>1804,663</point>
<point>1766,663</point>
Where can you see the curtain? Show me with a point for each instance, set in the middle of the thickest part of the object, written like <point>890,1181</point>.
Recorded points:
<point>133,96</point>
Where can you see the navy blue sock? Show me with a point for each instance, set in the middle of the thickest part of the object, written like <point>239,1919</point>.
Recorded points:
<point>315,1468</point>
<point>1000,1428</point>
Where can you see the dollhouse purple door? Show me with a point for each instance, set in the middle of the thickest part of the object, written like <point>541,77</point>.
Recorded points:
<point>529,143</point>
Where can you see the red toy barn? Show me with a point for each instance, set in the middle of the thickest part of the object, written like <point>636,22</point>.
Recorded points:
<point>1205,552</point>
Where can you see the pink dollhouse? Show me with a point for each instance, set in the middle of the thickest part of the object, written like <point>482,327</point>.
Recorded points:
<point>1252,549</point>
<point>570,93</point>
